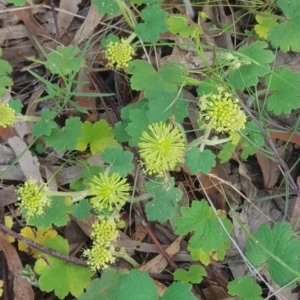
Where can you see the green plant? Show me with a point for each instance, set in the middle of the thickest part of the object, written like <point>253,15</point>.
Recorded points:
<point>156,127</point>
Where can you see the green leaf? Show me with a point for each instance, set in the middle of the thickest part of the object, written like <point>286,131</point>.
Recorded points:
<point>59,275</point>
<point>120,133</point>
<point>129,287</point>
<point>198,161</point>
<point>245,288</point>
<point>57,214</point>
<point>253,141</point>
<point>208,232</point>
<point>226,152</point>
<point>98,135</point>
<point>111,38</point>
<point>194,274</point>
<point>178,291</point>
<point>45,126</point>
<point>88,172</point>
<point>144,77</point>
<point>164,105</point>
<point>17,2</point>
<point>152,1</point>
<point>274,247</point>
<point>206,257</point>
<point>63,60</point>
<point>5,81</point>
<point>119,161</point>
<point>265,24</point>
<point>66,138</point>
<point>81,210</point>
<point>180,24</point>
<point>104,287</point>
<point>155,23</point>
<point>139,123</point>
<point>247,75</point>
<point>285,35</point>
<point>16,105</point>
<point>286,92</point>
<point>164,203</point>
<point>109,7</point>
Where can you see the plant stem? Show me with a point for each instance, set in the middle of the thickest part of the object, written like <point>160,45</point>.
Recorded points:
<point>126,257</point>
<point>76,196</point>
<point>126,12</point>
<point>21,118</point>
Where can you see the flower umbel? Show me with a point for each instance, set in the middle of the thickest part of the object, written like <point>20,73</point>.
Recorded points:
<point>108,191</point>
<point>104,232</point>
<point>99,257</point>
<point>7,115</point>
<point>119,54</point>
<point>222,111</point>
<point>33,197</point>
<point>162,148</point>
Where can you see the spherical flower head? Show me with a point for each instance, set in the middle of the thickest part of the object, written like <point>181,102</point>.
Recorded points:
<point>119,54</point>
<point>7,115</point>
<point>223,112</point>
<point>99,257</point>
<point>104,232</point>
<point>33,197</point>
<point>109,191</point>
<point>162,148</point>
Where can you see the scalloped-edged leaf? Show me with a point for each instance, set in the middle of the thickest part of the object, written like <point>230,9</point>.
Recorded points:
<point>194,274</point>
<point>118,161</point>
<point>59,275</point>
<point>198,161</point>
<point>57,214</point>
<point>245,288</point>
<point>154,23</point>
<point>136,285</point>
<point>164,204</point>
<point>247,75</point>
<point>202,220</point>
<point>98,136</point>
<point>276,247</point>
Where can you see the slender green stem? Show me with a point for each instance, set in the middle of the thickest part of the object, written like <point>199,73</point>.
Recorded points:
<point>201,141</point>
<point>127,14</point>
<point>21,118</point>
<point>131,38</point>
<point>140,198</point>
<point>126,257</point>
<point>76,196</point>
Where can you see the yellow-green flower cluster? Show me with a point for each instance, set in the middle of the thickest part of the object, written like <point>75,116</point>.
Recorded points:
<point>222,111</point>
<point>7,115</point>
<point>104,234</point>
<point>235,137</point>
<point>119,54</point>
<point>108,192</point>
<point>161,148</point>
<point>99,257</point>
<point>33,197</point>
<point>104,231</point>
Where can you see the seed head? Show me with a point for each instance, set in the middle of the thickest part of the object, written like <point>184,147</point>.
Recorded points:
<point>109,191</point>
<point>162,148</point>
